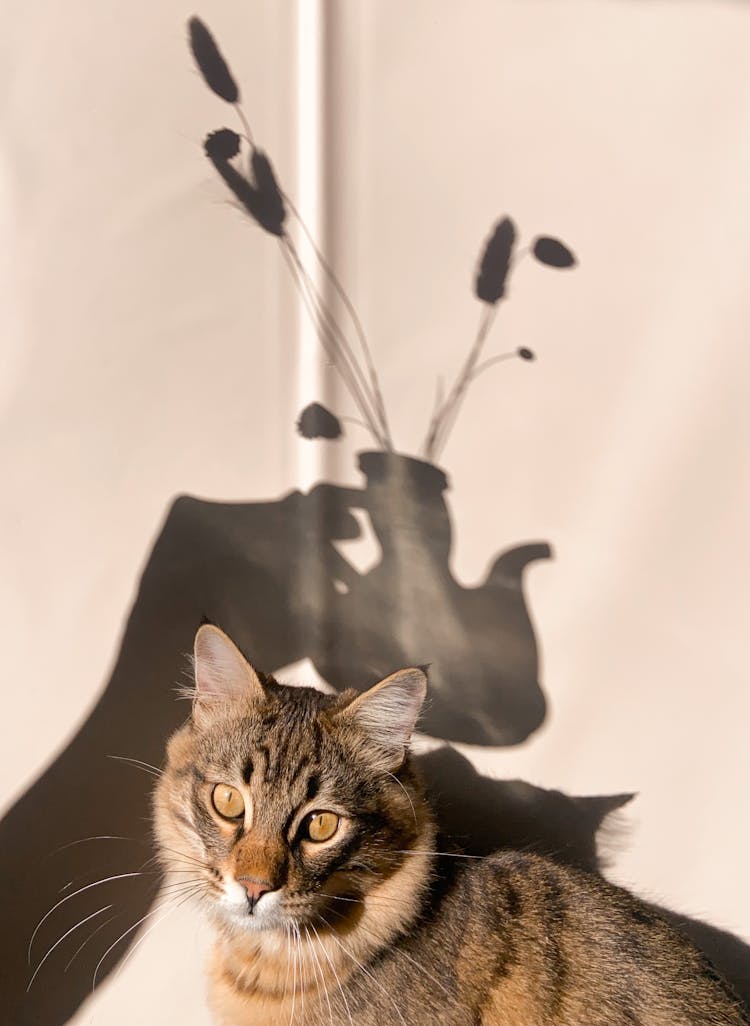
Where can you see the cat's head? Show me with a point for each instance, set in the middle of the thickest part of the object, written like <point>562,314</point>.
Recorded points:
<point>285,806</point>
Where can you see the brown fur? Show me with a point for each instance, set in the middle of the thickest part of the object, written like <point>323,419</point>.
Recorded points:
<point>373,926</point>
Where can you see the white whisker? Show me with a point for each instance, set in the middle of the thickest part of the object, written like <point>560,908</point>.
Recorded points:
<point>288,959</point>
<point>367,973</point>
<point>336,975</point>
<point>153,926</point>
<point>445,854</point>
<point>122,936</point>
<point>322,975</point>
<point>301,979</point>
<point>408,798</point>
<point>139,764</point>
<point>61,939</point>
<point>374,900</point>
<point>400,951</point>
<point>83,840</point>
<point>294,982</point>
<point>96,883</point>
<point>93,934</point>
<point>185,855</point>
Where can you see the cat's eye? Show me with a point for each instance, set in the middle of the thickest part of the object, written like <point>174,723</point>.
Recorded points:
<point>321,826</point>
<point>228,801</point>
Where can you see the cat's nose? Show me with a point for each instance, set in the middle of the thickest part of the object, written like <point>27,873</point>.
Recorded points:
<point>255,889</point>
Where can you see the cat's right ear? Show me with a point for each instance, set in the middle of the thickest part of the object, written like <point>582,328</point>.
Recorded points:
<point>222,674</point>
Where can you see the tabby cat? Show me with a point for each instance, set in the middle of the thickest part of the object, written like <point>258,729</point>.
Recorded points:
<point>304,826</point>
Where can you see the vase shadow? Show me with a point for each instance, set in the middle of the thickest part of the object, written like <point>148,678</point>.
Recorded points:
<point>269,573</point>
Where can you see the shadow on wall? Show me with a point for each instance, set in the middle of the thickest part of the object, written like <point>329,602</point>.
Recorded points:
<point>271,575</point>
<point>77,874</point>
<point>267,573</point>
<point>481,815</point>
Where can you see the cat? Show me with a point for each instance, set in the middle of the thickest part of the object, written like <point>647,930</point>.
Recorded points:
<point>299,820</point>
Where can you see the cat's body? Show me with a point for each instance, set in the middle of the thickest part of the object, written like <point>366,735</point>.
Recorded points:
<point>305,827</point>
<point>514,940</point>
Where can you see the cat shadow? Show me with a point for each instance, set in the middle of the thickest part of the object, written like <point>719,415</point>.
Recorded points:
<point>479,816</point>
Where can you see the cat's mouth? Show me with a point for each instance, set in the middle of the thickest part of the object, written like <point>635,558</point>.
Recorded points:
<point>278,910</point>
<point>250,909</point>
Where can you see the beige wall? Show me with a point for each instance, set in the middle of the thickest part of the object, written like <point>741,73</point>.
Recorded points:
<point>151,347</point>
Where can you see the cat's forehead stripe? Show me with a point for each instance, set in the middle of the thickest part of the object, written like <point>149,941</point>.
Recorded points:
<point>313,786</point>
<point>311,789</point>
<point>269,775</point>
<point>292,741</point>
<point>294,774</point>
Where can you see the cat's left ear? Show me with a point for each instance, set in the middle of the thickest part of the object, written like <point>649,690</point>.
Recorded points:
<point>387,713</point>
<point>222,674</point>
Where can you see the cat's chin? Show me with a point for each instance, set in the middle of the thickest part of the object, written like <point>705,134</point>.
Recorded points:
<point>267,916</point>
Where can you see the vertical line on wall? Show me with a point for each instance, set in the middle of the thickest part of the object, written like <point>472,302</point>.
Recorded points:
<point>309,176</point>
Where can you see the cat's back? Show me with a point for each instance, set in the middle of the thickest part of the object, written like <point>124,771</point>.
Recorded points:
<point>533,941</point>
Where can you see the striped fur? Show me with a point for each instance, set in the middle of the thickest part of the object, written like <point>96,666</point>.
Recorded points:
<point>372,926</point>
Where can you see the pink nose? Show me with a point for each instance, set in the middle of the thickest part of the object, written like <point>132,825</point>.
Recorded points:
<point>255,889</point>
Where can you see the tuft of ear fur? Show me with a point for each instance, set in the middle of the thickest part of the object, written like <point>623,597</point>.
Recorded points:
<point>388,711</point>
<point>222,674</point>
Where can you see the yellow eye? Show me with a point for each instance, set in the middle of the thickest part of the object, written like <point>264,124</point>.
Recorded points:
<point>321,826</point>
<point>228,801</point>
